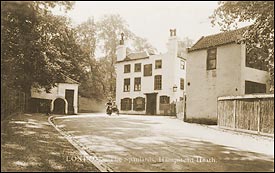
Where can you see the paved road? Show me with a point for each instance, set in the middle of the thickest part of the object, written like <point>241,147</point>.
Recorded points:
<point>151,143</point>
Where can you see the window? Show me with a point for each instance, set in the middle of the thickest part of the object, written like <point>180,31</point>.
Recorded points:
<point>138,67</point>
<point>254,87</point>
<point>158,64</point>
<point>126,104</point>
<point>182,84</point>
<point>127,68</point>
<point>182,64</point>
<point>126,85</point>
<point>139,104</point>
<point>157,84</point>
<point>164,100</point>
<point>137,86</point>
<point>211,58</point>
<point>148,70</point>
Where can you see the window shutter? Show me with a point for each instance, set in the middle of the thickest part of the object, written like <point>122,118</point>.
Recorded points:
<point>121,104</point>
<point>143,103</point>
<point>134,105</point>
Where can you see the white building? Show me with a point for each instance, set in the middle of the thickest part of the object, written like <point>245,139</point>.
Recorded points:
<point>218,66</point>
<point>62,99</point>
<point>147,83</point>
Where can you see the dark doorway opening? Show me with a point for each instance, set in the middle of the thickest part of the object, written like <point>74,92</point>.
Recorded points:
<point>59,106</point>
<point>254,87</point>
<point>69,96</point>
<point>151,103</point>
<point>40,105</point>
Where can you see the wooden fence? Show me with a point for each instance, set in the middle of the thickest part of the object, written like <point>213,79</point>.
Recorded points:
<point>249,112</point>
<point>11,102</point>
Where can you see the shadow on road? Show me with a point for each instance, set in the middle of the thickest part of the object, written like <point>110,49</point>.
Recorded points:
<point>131,144</point>
<point>30,143</point>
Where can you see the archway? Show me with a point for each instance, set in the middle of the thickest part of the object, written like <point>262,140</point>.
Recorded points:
<point>59,106</point>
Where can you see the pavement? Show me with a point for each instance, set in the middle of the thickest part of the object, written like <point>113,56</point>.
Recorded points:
<point>161,143</point>
<point>29,143</point>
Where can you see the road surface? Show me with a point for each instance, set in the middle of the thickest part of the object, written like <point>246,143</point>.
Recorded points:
<point>159,143</point>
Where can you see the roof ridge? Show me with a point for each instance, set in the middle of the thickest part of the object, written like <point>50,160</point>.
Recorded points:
<point>228,31</point>
<point>67,77</point>
<point>218,39</point>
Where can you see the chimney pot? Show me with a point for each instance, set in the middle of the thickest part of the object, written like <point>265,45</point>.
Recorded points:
<point>121,42</point>
<point>171,32</point>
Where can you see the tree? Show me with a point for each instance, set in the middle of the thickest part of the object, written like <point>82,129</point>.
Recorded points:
<point>142,44</point>
<point>37,47</point>
<point>183,44</point>
<point>92,85</point>
<point>110,28</point>
<point>86,37</point>
<point>260,35</point>
<point>105,35</point>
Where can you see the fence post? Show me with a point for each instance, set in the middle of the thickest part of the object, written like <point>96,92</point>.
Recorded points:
<point>234,113</point>
<point>259,115</point>
<point>218,113</point>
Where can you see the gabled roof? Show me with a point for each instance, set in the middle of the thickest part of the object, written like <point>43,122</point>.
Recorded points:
<point>218,39</point>
<point>69,80</point>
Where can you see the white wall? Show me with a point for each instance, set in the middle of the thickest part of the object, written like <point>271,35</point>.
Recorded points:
<point>57,92</point>
<point>170,71</point>
<point>207,85</point>
<point>227,80</point>
<point>41,93</point>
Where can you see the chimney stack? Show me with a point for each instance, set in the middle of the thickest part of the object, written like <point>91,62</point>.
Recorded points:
<point>173,43</point>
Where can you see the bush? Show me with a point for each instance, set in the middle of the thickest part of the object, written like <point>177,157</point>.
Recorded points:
<point>207,121</point>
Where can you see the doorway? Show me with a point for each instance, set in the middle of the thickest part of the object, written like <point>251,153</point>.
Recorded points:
<point>59,106</point>
<point>151,103</point>
<point>69,96</point>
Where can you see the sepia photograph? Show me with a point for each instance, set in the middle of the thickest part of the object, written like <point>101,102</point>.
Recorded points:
<point>137,86</point>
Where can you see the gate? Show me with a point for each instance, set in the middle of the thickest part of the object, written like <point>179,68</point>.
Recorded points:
<point>181,109</point>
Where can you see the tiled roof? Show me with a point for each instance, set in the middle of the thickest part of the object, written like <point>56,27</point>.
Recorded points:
<point>218,39</point>
<point>135,56</point>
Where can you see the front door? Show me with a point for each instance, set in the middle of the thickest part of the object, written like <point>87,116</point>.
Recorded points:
<point>69,95</point>
<point>151,103</point>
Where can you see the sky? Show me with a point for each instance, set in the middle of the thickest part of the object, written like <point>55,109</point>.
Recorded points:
<point>153,19</point>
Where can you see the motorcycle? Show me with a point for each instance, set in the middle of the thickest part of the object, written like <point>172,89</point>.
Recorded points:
<point>110,109</point>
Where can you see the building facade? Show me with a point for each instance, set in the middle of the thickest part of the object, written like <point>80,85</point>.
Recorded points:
<point>148,83</point>
<point>217,66</point>
<point>62,99</point>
